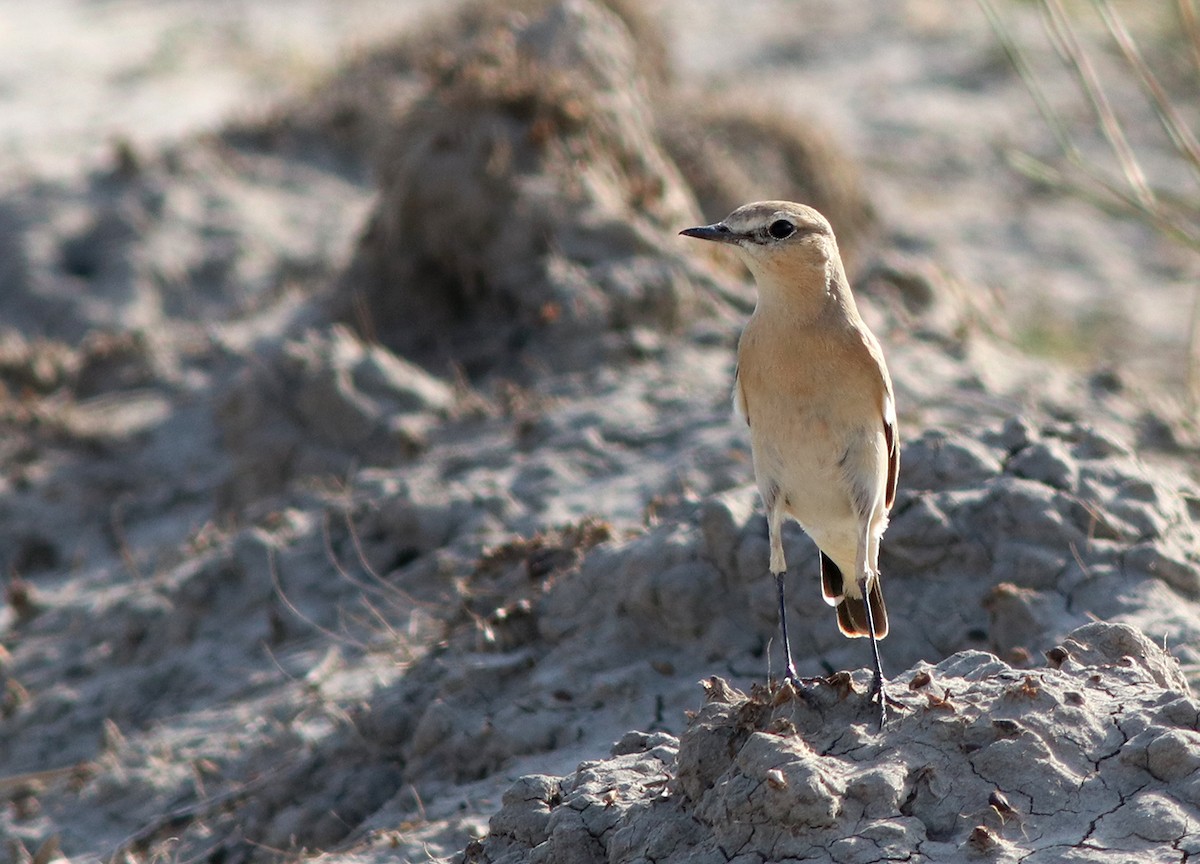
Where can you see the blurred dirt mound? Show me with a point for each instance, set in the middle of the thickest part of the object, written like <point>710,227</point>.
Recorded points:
<point>320,405</point>
<point>530,198</point>
<point>349,117</point>
<point>526,192</point>
<point>981,761</point>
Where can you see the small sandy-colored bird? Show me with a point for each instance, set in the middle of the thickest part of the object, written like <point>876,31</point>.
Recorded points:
<point>813,387</point>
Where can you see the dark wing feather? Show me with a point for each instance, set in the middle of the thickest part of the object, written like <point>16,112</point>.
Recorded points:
<point>889,435</point>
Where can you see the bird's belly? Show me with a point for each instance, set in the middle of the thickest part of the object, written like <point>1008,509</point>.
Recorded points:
<point>812,486</point>
<point>822,508</point>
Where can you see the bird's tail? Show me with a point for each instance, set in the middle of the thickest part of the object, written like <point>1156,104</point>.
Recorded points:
<point>852,611</point>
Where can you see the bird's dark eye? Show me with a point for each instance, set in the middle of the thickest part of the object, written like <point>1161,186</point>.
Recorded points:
<point>781,228</point>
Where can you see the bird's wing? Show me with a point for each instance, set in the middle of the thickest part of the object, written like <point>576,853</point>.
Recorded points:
<point>888,410</point>
<point>739,397</point>
<point>893,447</point>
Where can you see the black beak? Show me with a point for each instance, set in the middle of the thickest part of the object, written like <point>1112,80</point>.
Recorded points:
<point>718,232</point>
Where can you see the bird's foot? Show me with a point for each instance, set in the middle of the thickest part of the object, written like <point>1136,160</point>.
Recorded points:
<point>877,694</point>
<point>801,687</point>
<point>800,683</point>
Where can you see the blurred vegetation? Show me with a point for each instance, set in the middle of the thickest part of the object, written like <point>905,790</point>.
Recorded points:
<point>1150,55</point>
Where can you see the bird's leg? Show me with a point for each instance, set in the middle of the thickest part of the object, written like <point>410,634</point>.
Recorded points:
<point>876,690</point>
<point>868,552</point>
<point>778,567</point>
<point>787,645</point>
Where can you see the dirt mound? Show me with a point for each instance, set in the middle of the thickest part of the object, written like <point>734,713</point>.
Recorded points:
<point>530,198</point>
<point>526,197</point>
<point>348,119</point>
<point>320,405</point>
<point>580,634</point>
<point>1088,758</point>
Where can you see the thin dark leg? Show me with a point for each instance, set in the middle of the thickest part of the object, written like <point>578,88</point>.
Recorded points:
<point>876,691</point>
<point>787,645</point>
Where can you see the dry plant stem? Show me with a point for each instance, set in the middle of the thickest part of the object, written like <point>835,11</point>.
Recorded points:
<point>1193,349</point>
<point>339,638</point>
<point>1059,28</point>
<point>1017,58</point>
<point>1093,184</point>
<point>1191,29</point>
<point>117,529</point>
<point>1170,215</point>
<point>189,813</point>
<point>1175,127</point>
<point>1041,171</point>
<point>1098,190</point>
<point>377,585</point>
<point>1181,138</point>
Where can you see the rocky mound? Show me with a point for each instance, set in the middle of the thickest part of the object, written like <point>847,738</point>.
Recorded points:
<point>528,655</point>
<point>1096,759</point>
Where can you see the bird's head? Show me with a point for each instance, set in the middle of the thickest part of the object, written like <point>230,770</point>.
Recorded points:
<point>776,239</point>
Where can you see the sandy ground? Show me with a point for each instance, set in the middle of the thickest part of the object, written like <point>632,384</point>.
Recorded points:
<point>326,517</point>
<point>78,75</point>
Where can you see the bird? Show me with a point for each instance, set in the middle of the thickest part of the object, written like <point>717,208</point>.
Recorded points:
<point>813,387</point>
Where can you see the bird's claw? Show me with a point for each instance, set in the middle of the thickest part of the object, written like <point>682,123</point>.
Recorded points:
<point>876,694</point>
